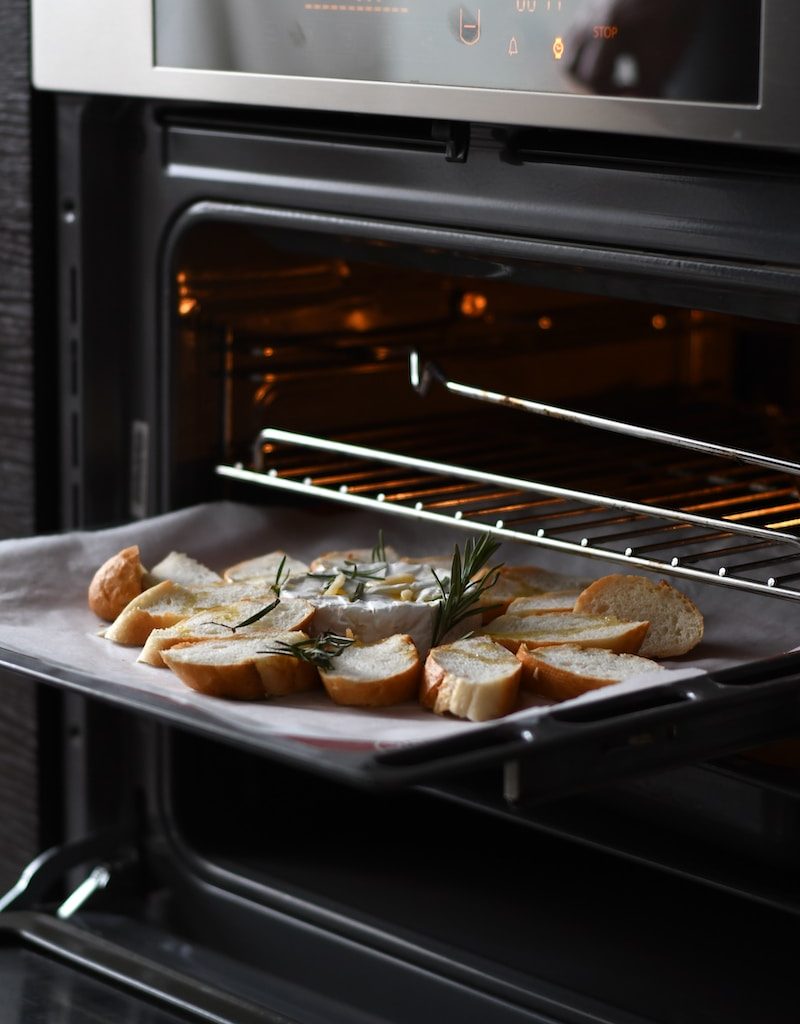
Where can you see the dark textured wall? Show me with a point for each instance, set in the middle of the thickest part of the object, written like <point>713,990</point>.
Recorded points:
<point>16,316</point>
<point>18,805</point>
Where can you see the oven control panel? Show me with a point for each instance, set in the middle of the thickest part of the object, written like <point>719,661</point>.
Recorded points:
<point>681,50</point>
<point>711,70</point>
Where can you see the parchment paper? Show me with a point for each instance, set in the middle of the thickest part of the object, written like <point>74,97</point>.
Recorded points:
<point>43,611</point>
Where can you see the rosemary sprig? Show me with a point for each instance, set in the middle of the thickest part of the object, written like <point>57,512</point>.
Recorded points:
<point>379,551</point>
<point>318,650</point>
<point>462,592</point>
<point>352,571</point>
<point>253,618</point>
<point>275,587</point>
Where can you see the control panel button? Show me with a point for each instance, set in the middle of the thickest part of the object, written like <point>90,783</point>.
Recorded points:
<point>469,26</point>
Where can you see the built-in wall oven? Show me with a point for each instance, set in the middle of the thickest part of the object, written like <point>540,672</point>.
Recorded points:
<point>529,270</point>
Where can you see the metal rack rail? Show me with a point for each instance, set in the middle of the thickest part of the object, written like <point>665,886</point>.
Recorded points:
<point>722,514</point>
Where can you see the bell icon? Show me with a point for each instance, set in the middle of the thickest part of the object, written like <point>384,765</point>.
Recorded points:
<point>513,49</point>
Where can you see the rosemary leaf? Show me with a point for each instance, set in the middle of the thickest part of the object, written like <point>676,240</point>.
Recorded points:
<point>461,592</point>
<point>258,615</point>
<point>379,551</point>
<point>279,582</point>
<point>275,587</point>
<point>318,650</point>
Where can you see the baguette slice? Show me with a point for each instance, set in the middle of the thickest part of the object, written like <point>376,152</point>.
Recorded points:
<point>264,566</point>
<point>568,628</point>
<point>219,622</point>
<point>676,623</point>
<point>567,670</point>
<point>515,581</point>
<point>117,582</point>
<point>168,603</point>
<point>183,569</point>
<point>374,675</point>
<point>543,604</point>
<point>242,668</point>
<point>473,678</point>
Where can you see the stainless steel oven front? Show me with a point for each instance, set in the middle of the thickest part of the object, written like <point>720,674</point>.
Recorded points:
<point>714,70</point>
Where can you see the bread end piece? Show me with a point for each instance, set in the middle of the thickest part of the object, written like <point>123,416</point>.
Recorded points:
<point>676,623</point>
<point>116,583</point>
<point>474,678</point>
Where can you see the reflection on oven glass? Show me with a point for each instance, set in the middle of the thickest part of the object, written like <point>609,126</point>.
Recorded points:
<point>680,50</point>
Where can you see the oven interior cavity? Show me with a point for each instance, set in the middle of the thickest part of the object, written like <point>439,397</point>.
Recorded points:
<point>447,385</point>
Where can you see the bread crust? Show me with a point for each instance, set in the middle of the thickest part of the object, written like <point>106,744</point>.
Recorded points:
<point>116,583</point>
<point>233,682</point>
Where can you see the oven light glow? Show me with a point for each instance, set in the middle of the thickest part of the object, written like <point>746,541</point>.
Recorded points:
<point>473,304</point>
<point>659,322</point>
<point>187,306</point>
<point>545,323</point>
<point>358,320</point>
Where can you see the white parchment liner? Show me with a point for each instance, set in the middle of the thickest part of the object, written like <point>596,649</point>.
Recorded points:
<point>43,611</point>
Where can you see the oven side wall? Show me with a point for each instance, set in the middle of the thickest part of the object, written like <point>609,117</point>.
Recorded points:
<point>18,699</point>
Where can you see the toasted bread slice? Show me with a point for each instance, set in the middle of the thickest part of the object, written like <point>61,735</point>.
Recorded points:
<point>676,623</point>
<point>183,569</point>
<point>543,604</point>
<point>515,581</point>
<point>568,628</point>
<point>374,675</point>
<point>117,582</point>
<point>473,678</point>
<point>168,603</point>
<point>265,567</point>
<point>226,621</point>
<point>567,670</point>
<point>242,668</point>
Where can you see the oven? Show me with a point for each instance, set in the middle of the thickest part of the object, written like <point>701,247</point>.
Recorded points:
<point>527,271</point>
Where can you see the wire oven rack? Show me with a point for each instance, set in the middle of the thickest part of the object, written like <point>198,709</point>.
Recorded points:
<point>723,514</point>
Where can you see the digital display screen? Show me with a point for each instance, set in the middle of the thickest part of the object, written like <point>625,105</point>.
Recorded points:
<point>702,51</point>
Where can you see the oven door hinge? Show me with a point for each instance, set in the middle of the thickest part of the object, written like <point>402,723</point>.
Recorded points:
<point>456,137</point>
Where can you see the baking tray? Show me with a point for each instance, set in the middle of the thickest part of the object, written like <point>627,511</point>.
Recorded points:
<point>740,689</point>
